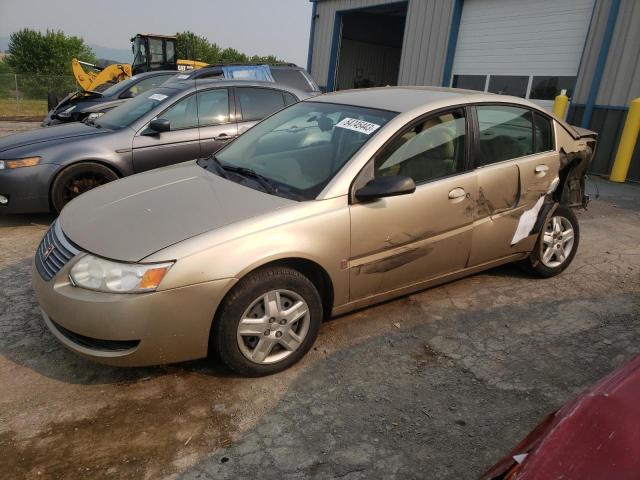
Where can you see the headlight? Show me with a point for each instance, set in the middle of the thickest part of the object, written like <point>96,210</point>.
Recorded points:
<point>96,273</point>
<point>19,163</point>
<point>67,112</point>
<point>94,116</point>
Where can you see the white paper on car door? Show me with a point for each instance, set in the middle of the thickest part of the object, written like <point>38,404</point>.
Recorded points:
<point>529,217</point>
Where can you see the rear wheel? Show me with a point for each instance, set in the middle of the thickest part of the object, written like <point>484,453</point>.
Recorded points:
<point>268,322</point>
<point>78,179</point>
<point>556,245</point>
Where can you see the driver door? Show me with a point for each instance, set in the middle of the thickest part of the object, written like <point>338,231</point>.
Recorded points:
<point>402,240</point>
<point>181,143</point>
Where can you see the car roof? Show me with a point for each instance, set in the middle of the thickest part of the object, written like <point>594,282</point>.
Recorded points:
<point>404,99</point>
<point>199,84</point>
<point>154,73</point>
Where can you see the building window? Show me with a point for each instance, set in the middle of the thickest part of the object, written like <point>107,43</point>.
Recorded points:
<point>509,85</point>
<point>470,82</point>
<point>548,88</point>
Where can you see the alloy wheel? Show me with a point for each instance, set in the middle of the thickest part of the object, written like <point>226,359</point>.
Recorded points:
<point>273,327</point>
<point>557,241</point>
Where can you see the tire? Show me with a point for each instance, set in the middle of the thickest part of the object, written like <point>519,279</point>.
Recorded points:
<point>252,313</point>
<point>78,179</point>
<point>555,234</point>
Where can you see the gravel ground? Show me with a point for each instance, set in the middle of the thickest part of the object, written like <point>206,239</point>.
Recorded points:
<point>439,384</point>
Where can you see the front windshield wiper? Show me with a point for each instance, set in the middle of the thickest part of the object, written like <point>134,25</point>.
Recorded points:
<point>265,182</point>
<point>212,160</point>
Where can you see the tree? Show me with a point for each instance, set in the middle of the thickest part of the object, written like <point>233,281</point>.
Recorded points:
<point>50,53</point>
<point>195,47</point>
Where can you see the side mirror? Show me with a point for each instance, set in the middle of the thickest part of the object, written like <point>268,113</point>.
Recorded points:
<point>386,187</point>
<point>160,125</point>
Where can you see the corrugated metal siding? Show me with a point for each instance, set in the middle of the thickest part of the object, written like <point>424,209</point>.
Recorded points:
<point>425,42</point>
<point>608,123</point>
<point>424,46</point>
<point>621,79</point>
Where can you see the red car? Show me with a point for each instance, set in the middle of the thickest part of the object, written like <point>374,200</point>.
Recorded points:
<point>595,436</point>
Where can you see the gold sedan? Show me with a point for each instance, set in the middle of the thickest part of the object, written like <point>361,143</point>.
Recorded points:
<point>329,205</point>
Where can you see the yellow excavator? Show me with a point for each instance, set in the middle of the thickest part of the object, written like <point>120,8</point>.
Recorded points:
<point>150,52</point>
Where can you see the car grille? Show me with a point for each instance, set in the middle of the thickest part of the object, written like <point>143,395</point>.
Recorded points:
<point>54,252</point>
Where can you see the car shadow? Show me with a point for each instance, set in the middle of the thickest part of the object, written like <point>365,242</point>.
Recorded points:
<point>15,220</point>
<point>26,341</point>
<point>509,270</point>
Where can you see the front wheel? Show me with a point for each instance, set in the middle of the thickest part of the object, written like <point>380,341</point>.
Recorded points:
<point>556,245</point>
<point>268,322</point>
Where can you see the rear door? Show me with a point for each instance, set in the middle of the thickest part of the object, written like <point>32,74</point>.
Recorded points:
<point>399,241</point>
<point>514,171</point>
<point>181,143</point>
<point>255,103</point>
<point>216,113</point>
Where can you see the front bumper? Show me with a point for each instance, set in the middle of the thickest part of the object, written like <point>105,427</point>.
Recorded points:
<point>130,330</point>
<point>27,188</point>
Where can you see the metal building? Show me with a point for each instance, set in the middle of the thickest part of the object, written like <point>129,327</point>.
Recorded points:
<point>529,48</point>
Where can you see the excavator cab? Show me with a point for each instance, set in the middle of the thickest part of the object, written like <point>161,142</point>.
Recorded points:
<point>153,52</point>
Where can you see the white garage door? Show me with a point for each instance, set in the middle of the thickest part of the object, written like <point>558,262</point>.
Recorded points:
<point>528,48</point>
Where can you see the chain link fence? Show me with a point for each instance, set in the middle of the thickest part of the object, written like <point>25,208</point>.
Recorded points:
<point>30,96</point>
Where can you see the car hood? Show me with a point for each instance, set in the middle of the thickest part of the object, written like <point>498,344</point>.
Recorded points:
<point>134,217</point>
<point>45,135</point>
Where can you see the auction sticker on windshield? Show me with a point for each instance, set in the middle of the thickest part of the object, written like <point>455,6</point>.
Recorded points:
<point>158,96</point>
<point>358,125</point>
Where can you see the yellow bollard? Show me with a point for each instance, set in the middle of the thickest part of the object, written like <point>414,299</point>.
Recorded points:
<point>560,104</point>
<point>627,143</point>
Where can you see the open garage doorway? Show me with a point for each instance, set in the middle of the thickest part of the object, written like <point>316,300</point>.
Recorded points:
<point>367,45</point>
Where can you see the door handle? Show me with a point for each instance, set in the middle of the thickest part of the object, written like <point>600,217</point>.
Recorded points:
<point>457,193</point>
<point>223,137</point>
<point>541,169</point>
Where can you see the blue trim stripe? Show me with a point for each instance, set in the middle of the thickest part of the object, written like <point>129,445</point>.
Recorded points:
<point>453,40</point>
<point>312,33</point>
<point>601,62</point>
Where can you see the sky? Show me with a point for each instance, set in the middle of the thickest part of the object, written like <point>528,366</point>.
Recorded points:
<point>279,27</point>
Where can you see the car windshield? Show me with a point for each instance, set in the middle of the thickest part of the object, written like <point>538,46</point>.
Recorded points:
<point>129,112</point>
<point>299,149</point>
<point>119,87</point>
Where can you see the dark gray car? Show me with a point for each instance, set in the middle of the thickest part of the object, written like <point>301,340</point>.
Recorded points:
<point>78,106</point>
<point>44,169</point>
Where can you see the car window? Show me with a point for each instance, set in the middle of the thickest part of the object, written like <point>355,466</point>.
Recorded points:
<point>431,149</point>
<point>543,140</point>
<point>136,108</point>
<point>148,84</point>
<point>289,98</point>
<point>184,114</point>
<point>505,132</point>
<point>291,78</point>
<point>213,107</point>
<point>303,146</point>
<point>257,103</point>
